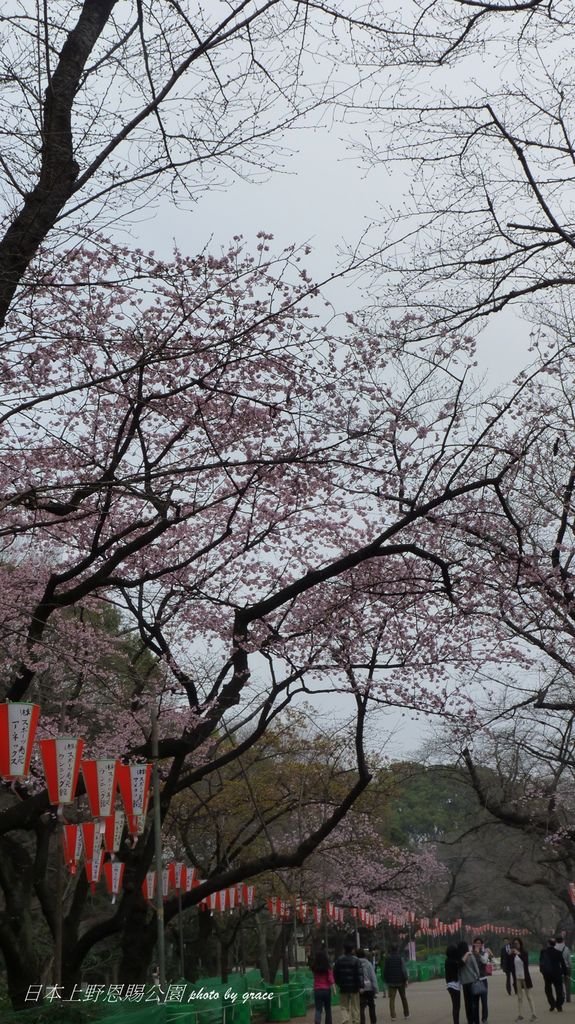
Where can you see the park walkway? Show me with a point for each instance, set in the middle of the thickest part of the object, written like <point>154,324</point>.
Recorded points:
<point>429,1003</point>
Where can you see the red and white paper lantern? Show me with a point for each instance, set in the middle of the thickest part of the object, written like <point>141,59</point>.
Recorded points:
<point>167,881</point>
<point>17,730</point>
<point>191,879</point>
<point>93,852</point>
<point>178,870</point>
<point>149,885</point>
<point>245,895</point>
<point>92,838</point>
<point>114,874</point>
<point>113,831</point>
<point>275,906</point>
<point>210,902</point>
<point>72,845</point>
<point>134,785</point>
<point>61,760</point>
<point>100,779</point>
<point>301,909</point>
<point>94,868</point>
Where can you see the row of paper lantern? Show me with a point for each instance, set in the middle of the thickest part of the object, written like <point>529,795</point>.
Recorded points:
<point>62,761</point>
<point>103,777</point>
<point>285,909</point>
<point>95,843</point>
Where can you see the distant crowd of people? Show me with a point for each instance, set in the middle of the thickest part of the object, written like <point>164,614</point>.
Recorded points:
<point>467,970</point>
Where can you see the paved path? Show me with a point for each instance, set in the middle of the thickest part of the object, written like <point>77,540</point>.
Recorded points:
<point>429,1003</point>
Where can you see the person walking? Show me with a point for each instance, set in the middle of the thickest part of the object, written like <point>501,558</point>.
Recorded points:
<point>369,988</point>
<point>563,948</point>
<point>522,978</point>
<point>483,956</point>
<point>323,980</point>
<point>506,966</point>
<point>349,980</point>
<point>471,982</point>
<point>395,977</point>
<point>452,964</point>
<point>553,969</point>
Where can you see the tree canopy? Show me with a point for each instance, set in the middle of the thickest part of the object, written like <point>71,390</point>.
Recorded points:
<point>217,497</point>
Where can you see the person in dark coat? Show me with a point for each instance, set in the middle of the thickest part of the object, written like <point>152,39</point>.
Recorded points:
<point>522,978</point>
<point>452,965</point>
<point>395,977</point>
<point>506,966</point>
<point>553,969</point>
<point>349,979</point>
<point>563,948</point>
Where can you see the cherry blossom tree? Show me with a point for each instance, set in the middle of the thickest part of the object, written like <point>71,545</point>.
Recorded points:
<point>188,445</point>
<point>275,794</point>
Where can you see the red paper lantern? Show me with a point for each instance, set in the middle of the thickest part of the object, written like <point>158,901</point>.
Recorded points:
<point>191,880</point>
<point>167,881</point>
<point>100,778</point>
<point>134,784</point>
<point>245,895</point>
<point>136,824</point>
<point>61,759</point>
<point>17,730</point>
<point>178,870</point>
<point>214,901</point>
<point>113,831</point>
<point>114,874</point>
<point>94,868</point>
<point>92,838</point>
<point>72,844</point>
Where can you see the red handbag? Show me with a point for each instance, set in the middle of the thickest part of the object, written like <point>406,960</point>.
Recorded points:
<point>489,968</point>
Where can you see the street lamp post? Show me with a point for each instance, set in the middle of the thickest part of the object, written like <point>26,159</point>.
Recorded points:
<point>160,942</point>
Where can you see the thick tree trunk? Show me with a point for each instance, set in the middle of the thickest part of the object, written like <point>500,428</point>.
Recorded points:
<point>18,928</point>
<point>22,972</point>
<point>138,941</point>
<point>262,948</point>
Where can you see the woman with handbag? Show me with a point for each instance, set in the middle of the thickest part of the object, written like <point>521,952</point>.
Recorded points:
<point>484,958</point>
<point>471,983</point>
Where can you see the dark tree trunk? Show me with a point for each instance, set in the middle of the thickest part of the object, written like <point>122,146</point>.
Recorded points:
<point>138,941</point>
<point>22,974</point>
